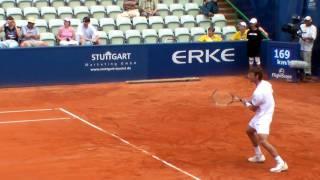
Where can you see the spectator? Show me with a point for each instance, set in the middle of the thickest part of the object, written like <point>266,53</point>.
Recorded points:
<point>11,32</point>
<point>87,34</point>
<point>308,35</point>
<point>209,8</point>
<point>241,34</point>
<point>255,37</point>
<point>210,36</point>
<point>30,35</point>
<point>66,34</point>
<point>316,55</point>
<point>130,9</point>
<point>148,7</point>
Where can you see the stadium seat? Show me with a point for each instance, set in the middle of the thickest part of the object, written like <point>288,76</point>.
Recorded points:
<point>182,35</point>
<point>80,12</point>
<point>107,24</point>
<point>166,35</point>
<point>140,23</point>
<point>168,2</point>
<point>73,3</point>
<point>199,2</point>
<point>75,23</point>
<point>2,22</point>
<point>16,13</point>
<point>203,21</point>
<point>64,12</point>
<point>55,24</point>
<point>183,2</point>
<point>48,13</point>
<point>176,9</point>
<point>106,2</point>
<point>123,23</point>
<point>218,30</point>
<point>196,32</point>
<point>48,37</point>
<point>228,32</point>
<point>42,25</point>
<point>2,15</point>
<point>219,20</point>
<point>133,36</point>
<point>113,11</point>
<point>89,3</point>
<point>31,12</point>
<point>7,3</point>
<point>188,21</point>
<point>172,22</point>
<point>97,12</point>
<point>57,3</point>
<point>24,3</point>
<point>103,38</point>
<point>192,9</point>
<point>163,10</point>
<point>94,22</point>
<point>40,3</point>
<point>20,23</point>
<point>119,2</point>
<point>149,36</point>
<point>156,22</point>
<point>116,37</point>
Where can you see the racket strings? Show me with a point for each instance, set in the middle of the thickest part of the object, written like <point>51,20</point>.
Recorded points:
<point>222,98</point>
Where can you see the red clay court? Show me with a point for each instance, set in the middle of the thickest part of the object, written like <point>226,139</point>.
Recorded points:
<point>152,131</point>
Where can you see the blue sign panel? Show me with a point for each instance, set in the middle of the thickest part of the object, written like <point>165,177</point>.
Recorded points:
<point>279,54</point>
<point>72,64</point>
<point>197,59</point>
<point>53,65</point>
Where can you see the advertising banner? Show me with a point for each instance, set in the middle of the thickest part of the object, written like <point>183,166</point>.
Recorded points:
<point>52,65</point>
<point>279,54</point>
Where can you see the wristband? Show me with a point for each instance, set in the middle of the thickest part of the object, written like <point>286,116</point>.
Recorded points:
<point>247,104</point>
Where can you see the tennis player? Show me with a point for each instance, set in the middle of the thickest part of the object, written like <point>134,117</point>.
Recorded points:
<point>262,103</point>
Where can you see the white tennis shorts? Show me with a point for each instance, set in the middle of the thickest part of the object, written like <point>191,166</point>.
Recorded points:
<point>261,124</point>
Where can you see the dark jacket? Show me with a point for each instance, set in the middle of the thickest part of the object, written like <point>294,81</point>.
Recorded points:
<point>210,6</point>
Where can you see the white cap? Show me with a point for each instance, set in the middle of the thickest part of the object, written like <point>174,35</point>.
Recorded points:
<point>308,18</point>
<point>242,23</point>
<point>253,21</point>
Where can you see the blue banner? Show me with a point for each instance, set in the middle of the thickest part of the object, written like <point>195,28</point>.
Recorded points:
<point>52,65</point>
<point>279,54</point>
<point>219,58</point>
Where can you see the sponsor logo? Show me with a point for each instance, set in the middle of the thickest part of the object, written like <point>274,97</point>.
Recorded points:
<point>110,61</point>
<point>312,5</point>
<point>110,56</point>
<point>203,56</point>
<point>281,74</point>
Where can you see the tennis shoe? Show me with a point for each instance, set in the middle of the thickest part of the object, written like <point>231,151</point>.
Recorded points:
<point>257,159</point>
<point>280,167</point>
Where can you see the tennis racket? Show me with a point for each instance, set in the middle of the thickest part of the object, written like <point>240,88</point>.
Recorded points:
<point>223,98</point>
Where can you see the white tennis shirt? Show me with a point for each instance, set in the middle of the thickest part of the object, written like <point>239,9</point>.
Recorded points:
<point>263,98</point>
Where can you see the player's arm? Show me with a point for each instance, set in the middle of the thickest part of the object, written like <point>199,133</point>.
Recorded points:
<point>248,104</point>
<point>264,32</point>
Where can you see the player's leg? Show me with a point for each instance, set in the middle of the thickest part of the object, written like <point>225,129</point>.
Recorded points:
<point>251,62</point>
<point>258,61</point>
<point>258,157</point>
<point>263,141</point>
<point>281,164</point>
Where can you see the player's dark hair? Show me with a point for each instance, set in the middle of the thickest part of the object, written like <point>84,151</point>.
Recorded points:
<point>257,72</point>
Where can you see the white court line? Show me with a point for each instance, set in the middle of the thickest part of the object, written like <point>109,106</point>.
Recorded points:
<point>33,120</point>
<point>129,144</point>
<point>28,110</point>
